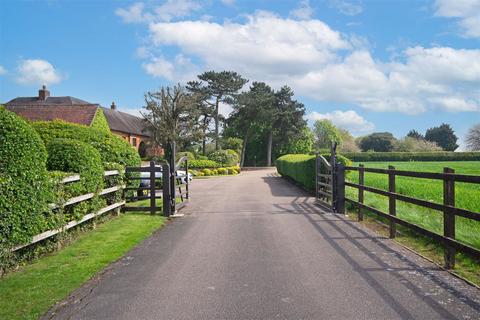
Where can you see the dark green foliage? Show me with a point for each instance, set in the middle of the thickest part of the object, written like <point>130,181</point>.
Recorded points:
<point>415,134</point>
<point>224,157</point>
<point>200,164</point>
<point>378,141</point>
<point>301,168</point>
<point>413,156</point>
<point>24,187</point>
<point>112,148</point>
<point>444,136</point>
<point>232,143</point>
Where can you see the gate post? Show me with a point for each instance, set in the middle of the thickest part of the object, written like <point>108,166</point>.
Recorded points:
<point>316,175</point>
<point>167,210</point>
<point>449,217</point>
<point>173,177</point>
<point>340,188</point>
<point>153,203</point>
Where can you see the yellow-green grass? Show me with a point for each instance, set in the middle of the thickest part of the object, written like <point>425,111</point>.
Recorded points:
<point>467,197</point>
<point>33,289</point>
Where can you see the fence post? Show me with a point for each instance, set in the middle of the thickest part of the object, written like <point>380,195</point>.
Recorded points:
<point>361,192</point>
<point>186,173</point>
<point>153,203</point>
<point>392,204</point>
<point>166,190</point>
<point>340,188</point>
<point>316,176</point>
<point>449,217</point>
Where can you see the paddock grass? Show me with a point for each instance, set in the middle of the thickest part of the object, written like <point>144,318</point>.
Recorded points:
<point>33,289</point>
<point>467,197</point>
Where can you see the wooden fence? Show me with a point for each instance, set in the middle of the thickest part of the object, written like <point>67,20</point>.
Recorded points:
<point>448,208</point>
<point>74,201</point>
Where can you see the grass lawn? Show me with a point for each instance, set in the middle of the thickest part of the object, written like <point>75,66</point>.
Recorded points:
<point>467,197</point>
<point>34,288</point>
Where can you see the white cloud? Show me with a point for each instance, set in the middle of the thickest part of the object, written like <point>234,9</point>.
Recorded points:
<point>466,11</point>
<point>2,71</point>
<point>349,8</point>
<point>318,62</point>
<point>169,10</point>
<point>38,72</point>
<point>349,120</point>
<point>303,12</point>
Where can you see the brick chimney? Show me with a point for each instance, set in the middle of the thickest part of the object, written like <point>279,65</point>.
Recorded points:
<point>43,93</point>
<point>113,106</point>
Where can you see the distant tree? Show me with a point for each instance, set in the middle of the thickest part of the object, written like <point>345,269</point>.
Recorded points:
<point>216,88</point>
<point>409,144</point>
<point>233,144</point>
<point>444,136</point>
<point>172,116</point>
<point>348,142</point>
<point>415,134</point>
<point>300,143</point>
<point>473,138</point>
<point>325,133</point>
<point>379,141</point>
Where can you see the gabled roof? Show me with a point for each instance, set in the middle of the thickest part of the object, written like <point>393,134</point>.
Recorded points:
<point>80,114</point>
<point>125,122</point>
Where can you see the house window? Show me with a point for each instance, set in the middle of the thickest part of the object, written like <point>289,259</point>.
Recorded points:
<point>134,142</point>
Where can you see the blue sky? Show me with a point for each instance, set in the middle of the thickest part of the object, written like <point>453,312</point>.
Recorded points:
<point>366,65</point>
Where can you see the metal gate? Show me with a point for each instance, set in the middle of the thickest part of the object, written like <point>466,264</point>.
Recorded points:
<point>330,182</point>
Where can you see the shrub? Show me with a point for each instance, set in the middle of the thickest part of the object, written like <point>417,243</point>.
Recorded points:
<point>222,171</point>
<point>301,167</point>
<point>224,157</point>
<point>201,164</point>
<point>24,183</point>
<point>200,174</point>
<point>214,172</point>
<point>190,156</point>
<point>200,157</point>
<point>112,148</point>
<point>207,172</point>
<point>413,156</point>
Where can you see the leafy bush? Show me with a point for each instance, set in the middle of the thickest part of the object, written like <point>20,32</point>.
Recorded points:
<point>207,172</point>
<point>200,174</point>
<point>24,184</point>
<point>301,167</point>
<point>413,156</point>
<point>200,157</point>
<point>190,156</point>
<point>232,143</point>
<point>225,157</point>
<point>200,164</point>
<point>222,171</point>
<point>112,148</point>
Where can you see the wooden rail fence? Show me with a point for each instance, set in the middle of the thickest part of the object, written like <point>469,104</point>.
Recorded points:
<point>448,208</point>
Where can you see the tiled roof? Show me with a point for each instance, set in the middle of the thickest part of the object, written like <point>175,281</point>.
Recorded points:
<point>81,114</point>
<point>125,122</point>
<point>34,101</point>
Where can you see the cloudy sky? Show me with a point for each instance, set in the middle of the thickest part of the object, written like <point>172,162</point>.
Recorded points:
<point>366,65</point>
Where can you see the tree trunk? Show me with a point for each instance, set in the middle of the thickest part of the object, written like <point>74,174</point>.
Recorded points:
<point>204,140</point>
<point>217,102</point>
<point>244,149</point>
<point>269,148</point>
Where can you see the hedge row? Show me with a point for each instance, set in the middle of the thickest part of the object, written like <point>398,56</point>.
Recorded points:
<point>202,164</point>
<point>413,156</point>
<point>301,168</point>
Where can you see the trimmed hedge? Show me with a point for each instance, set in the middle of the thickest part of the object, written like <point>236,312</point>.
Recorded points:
<point>24,183</point>
<point>301,168</point>
<point>413,156</point>
<point>202,164</point>
<point>111,147</point>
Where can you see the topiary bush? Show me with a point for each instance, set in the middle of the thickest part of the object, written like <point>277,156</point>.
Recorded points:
<point>224,157</point>
<point>301,167</point>
<point>111,148</point>
<point>24,183</point>
<point>201,164</point>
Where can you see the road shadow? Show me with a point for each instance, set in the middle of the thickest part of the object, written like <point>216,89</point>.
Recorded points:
<point>280,187</point>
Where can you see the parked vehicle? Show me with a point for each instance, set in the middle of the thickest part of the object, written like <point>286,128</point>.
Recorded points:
<point>145,177</point>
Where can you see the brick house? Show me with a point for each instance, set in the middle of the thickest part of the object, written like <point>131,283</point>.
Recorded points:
<point>47,108</point>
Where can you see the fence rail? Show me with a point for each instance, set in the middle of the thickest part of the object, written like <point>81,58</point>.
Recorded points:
<point>73,201</point>
<point>448,208</point>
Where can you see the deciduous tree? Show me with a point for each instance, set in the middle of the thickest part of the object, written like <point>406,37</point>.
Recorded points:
<point>444,136</point>
<point>473,138</point>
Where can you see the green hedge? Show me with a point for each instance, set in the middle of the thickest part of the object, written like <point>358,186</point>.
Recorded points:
<point>413,156</point>
<point>201,164</point>
<point>112,148</point>
<point>301,168</point>
<point>24,183</point>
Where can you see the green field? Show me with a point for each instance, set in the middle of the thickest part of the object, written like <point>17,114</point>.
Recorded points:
<point>467,195</point>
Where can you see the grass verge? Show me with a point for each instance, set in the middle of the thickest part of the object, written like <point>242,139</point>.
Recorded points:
<point>34,288</point>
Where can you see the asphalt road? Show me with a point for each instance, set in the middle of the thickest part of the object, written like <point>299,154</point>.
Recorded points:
<point>255,247</point>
